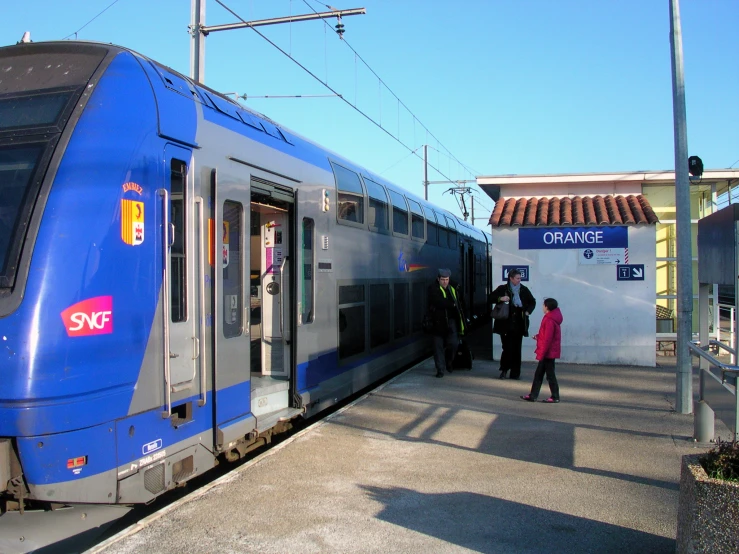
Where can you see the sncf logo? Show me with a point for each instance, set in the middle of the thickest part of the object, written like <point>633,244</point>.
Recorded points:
<point>93,316</point>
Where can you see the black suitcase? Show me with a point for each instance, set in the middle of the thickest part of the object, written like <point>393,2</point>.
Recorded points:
<point>464,357</point>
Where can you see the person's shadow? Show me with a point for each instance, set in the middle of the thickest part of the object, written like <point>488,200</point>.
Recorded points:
<point>488,524</point>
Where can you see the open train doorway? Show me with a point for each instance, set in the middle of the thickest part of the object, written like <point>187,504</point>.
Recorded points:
<point>271,299</point>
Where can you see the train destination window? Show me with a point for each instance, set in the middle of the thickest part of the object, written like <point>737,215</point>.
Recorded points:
<point>379,310</point>
<point>417,226</point>
<point>38,110</point>
<point>351,320</point>
<point>378,206</point>
<point>231,263</point>
<point>452,236</point>
<point>401,309</point>
<point>400,213</point>
<point>432,229</point>
<point>178,250</point>
<point>350,195</point>
<point>443,231</point>
<point>306,277</point>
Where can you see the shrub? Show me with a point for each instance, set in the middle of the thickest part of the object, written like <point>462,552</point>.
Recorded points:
<point>722,461</point>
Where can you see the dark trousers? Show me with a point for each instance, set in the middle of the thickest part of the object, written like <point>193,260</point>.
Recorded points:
<point>445,347</point>
<point>510,358</point>
<point>545,366</point>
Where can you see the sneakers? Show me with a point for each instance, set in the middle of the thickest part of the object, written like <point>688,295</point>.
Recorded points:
<point>528,398</point>
<point>551,400</point>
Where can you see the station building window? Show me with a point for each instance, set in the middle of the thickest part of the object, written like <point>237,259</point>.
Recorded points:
<point>351,320</point>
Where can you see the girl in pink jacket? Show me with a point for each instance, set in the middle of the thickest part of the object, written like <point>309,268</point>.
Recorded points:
<point>548,348</point>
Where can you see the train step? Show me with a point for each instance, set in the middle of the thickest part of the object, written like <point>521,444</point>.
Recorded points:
<point>269,420</point>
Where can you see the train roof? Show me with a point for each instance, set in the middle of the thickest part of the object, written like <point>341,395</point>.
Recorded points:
<point>228,107</point>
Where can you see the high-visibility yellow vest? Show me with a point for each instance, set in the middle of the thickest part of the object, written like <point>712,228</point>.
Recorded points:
<point>454,295</point>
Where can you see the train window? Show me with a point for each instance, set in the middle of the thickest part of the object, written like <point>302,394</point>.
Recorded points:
<point>378,206</point>
<point>400,213</point>
<point>38,110</point>
<point>418,305</point>
<point>351,321</point>
<point>306,278</point>
<point>232,264</point>
<point>379,310</point>
<point>443,231</point>
<point>452,236</point>
<point>400,310</point>
<point>417,226</point>
<point>432,230</point>
<point>17,166</point>
<point>178,250</point>
<point>349,195</point>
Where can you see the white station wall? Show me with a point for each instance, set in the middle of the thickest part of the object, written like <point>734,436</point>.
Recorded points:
<point>606,321</point>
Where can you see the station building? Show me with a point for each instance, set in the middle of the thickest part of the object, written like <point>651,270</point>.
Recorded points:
<point>641,201</point>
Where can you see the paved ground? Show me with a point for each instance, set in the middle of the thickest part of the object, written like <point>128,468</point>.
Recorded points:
<point>458,464</point>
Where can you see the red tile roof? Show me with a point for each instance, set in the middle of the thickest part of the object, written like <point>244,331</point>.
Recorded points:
<point>579,210</point>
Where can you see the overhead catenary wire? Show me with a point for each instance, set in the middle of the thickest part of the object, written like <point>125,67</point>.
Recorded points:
<point>329,87</point>
<point>390,90</point>
<point>93,19</point>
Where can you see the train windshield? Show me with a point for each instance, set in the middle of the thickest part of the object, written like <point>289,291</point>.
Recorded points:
<point>38,110</point>
<point>17,167</point>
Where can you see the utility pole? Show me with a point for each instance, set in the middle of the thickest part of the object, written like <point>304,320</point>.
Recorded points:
<point>425,171</point>
<point>684,377</point>
<point>197,40</point>
<point>198,30</point>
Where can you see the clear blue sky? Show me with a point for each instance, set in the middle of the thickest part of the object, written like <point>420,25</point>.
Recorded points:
<point>524,86</point>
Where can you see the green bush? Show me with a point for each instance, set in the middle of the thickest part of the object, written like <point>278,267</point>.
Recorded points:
<point>722,461</point>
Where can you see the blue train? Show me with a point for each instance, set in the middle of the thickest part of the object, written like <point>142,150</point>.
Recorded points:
<point>180,277</point>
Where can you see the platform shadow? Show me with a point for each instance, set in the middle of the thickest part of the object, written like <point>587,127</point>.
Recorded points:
<point>493,525</point>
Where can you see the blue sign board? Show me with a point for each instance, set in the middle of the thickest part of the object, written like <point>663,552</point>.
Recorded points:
<point>524,269</point>
<point>549,238</point>
<point>632,272</point>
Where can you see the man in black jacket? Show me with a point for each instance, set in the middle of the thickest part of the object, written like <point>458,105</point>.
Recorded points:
<point>448,318</point>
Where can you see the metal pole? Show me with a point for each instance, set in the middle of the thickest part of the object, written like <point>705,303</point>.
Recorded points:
<point>684,378</point>
<point>197,40</point>
<point>472,209</point>
<point>425,171</point>
<point>735,335</point>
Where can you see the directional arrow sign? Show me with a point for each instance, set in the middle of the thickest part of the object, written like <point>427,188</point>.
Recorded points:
<point>630,272</point>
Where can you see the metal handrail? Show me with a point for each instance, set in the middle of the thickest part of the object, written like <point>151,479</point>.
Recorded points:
<point>702,351</point>
<point>165,302</point>
<point>201,300</point>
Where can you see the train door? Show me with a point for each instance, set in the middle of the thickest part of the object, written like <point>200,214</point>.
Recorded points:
<point>272,297</point>
<point>180,304</point>
<point>228,259</point>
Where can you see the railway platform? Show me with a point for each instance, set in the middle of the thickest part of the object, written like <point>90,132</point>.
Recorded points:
<point>458,464</point>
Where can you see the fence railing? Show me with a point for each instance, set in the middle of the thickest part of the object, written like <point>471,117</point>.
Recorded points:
<point>718,397</point>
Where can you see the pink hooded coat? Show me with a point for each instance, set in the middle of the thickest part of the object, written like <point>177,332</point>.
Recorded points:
<point>549,338</point>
